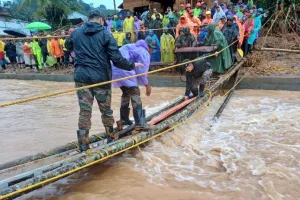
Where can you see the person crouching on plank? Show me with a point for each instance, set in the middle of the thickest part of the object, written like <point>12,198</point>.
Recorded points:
<point>140,51</point>
<point>198,74</point>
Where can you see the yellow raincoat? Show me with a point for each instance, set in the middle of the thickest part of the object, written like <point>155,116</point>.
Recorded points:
<point>167,48</point>
<point>128,26</point>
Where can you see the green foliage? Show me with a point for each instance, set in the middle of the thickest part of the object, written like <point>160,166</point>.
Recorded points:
<point>106,11</point>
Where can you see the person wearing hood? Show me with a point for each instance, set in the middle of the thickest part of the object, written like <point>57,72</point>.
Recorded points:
<point>155,13</point>
<point>143,33</point>
<point>138,52</point>
<point>119,36</point>
<point>109,23</point>
<point>167,47</point>
<point>188,7</point>
<point>94,48</point>
<point>148,21</point>
<point>224,8</point>
<point>218,14</point>
<point>208,18</point>
<point>197,9</point>
<point>128,25</point>
<point>240,12</point>
<point>192,18</point>
<point>203,34</point>
<point>256,28</point>
<point>198,74</point>
<point>241,26</point>
<point>57,51</point>
<point>249,25</point>
<point>214,8</point>
<point>229,11</point>
<point>222,23</point>
<point>28,57</point>
<point>11,53</point>
<point>176,16</point>
<point>222,61</point>
<point>231,34</point>
<point>43,44</point>
<point>137,24</point>
<point>117,23</point>
<point>20,54</point>
<point>37,52</point>
<point>186,40</point>
<point>155,55</point>
<point>182,23</point>
<point>144,14</point>
<point>166,19</point>
<point>127,39</point>
<point>157,25</point>
<point>172,26</point>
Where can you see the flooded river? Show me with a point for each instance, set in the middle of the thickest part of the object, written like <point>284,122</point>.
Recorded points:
<point>251,152</point>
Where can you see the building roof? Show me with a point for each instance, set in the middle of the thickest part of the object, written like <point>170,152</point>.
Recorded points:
<point>13,24</point>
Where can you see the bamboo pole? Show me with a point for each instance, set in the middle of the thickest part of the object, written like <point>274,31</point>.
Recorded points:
<point>122,144</point>
<point>279,50</point>
<point>73,145</point>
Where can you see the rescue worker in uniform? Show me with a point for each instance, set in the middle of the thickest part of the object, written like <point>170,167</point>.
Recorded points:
<point>94,47</point>
<point>198,74</point>
<point>138,52</point>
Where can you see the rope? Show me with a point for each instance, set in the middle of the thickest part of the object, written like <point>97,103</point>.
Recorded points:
<point>108,82</point>
<point>116,153</point>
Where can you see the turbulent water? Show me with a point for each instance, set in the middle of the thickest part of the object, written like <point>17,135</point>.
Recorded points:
<point>251,152</point>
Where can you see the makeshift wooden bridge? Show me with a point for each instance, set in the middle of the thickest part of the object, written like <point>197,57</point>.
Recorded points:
<point>31,172</point>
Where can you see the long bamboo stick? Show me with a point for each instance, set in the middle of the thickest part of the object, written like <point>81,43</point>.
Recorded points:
<point>73,145</point>
<point>121,144</point>
<point>279,50</point>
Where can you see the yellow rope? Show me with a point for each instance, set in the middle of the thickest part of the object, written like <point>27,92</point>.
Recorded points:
<point>117,153</point>
<point>107,82</point>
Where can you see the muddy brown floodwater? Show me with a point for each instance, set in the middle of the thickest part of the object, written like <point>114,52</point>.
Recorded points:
<point>251,152</point>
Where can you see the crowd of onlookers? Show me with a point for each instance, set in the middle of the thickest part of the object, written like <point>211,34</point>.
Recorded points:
<point>188,27</point>
<point>221,25</point>
<point>42,51</point>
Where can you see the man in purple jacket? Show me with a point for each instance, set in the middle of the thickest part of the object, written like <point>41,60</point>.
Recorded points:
<point>138,52</point>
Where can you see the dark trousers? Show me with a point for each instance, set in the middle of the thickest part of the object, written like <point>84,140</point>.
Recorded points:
<point>245,47</point>
<point>67,55</point>
<point>45,55</point>
<point>86,99</point>
<point>133,94</point>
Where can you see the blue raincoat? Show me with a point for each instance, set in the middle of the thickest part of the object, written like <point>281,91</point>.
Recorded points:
<point>155,56</point>
<point>257,26</point>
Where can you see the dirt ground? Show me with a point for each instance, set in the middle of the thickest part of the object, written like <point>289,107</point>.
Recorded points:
<point>277,63</point>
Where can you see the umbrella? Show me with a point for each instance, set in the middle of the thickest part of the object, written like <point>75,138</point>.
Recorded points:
<point>15,32</point>
<point>38,26</point>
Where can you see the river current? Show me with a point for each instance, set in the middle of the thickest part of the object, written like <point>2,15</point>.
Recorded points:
<point>251,152</point>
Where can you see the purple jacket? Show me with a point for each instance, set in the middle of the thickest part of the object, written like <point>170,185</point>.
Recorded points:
<point>138,52</point>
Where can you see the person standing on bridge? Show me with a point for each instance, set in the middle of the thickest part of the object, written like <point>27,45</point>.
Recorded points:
<point>94,47</point>
<point>138,52</point>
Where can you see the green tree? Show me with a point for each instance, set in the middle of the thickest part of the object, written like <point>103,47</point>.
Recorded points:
<point>55,12</point>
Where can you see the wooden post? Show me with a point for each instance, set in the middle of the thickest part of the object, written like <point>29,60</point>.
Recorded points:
<point>115,7</point>
<point>280,50</point>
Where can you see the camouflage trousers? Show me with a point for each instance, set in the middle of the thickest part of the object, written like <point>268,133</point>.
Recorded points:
<point>133,94</point>
<point>86,99</point>
<point>202,80</point>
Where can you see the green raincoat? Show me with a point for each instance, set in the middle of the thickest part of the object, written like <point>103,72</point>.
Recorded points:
<point>165,21</point>
<point>223,61</point>
<point>37,51</point>
<point>167,47</point>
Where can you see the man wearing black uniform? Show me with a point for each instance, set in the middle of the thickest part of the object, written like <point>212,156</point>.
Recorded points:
<point>198,74</point>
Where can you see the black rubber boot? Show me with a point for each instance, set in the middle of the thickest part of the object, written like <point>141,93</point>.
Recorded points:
<point>201,90</point>
<point>83,139</point>
<point>140,120</point>
<point>124,113</point>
